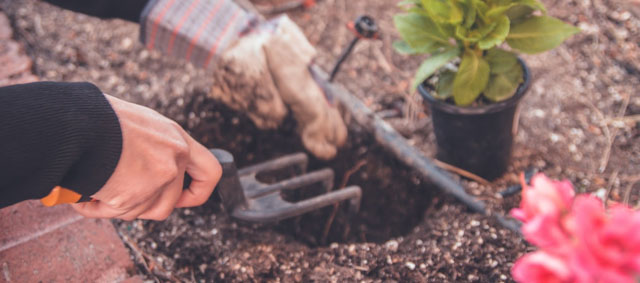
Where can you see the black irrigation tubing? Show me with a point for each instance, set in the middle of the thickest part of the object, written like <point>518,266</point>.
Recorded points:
<point>386,136</point>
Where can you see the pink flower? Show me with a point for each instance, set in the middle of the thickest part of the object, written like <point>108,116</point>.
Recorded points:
<point>542,210</point>
<point>541,267</point>
<point>580,241</point>
<point>608,245</point>
<point>548,232</point>
<point>544,197</point>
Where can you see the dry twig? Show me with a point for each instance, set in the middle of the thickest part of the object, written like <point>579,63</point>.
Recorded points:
<point>143,258</point>
<point>612,180</point>
<point>461,172</point>
<point>625,119</point>
<point>627,193</point>
<point>612,136</point>
<point>139,255</point>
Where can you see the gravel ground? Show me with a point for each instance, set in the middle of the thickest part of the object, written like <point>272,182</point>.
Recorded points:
<point>580,114</point>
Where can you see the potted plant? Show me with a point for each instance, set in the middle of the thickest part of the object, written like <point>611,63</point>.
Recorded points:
<point>471,83</point>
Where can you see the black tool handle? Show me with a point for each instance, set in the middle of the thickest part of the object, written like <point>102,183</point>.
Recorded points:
<point>229,187</point>
<point>224,157</point>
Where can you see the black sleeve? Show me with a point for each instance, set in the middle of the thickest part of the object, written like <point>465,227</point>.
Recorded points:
<point>123,9</point>
<point>55,134</point>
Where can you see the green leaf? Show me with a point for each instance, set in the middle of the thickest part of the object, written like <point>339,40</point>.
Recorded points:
<point>420,32</point>
<point>501,61</point>
<point>498,11</point>
<point>497,35</point>
<point>464,34</point>
<point>474,35</point>
<point>417,10</point>
<point>448,30</point>
<point>403,47</point>
<point>471,79</point>
<point>470,13</point>
<point>408,2</point>
<point>519,13</point>
<point>504,85</point>
<point>481,7</point>
<point>534,4</point>
<point>539,34</point>
<point>432,64</point>
<point>444,11</point>
<point>444,87</point>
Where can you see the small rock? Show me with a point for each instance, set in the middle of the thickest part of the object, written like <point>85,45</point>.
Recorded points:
<point>538,113</point>
<point>126,43</point>
<point>601,194</point>
<point>391,245</point>
<point>410,265</point>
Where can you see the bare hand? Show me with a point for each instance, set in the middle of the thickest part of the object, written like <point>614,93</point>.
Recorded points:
<point>148,180</point>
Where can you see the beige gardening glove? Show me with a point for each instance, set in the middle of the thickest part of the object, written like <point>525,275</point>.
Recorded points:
<point>261,67</point>
<point>268,69</point>
<point>289,55</point>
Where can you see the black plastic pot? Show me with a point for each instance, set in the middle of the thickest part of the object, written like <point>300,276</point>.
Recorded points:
<point>476,139</point>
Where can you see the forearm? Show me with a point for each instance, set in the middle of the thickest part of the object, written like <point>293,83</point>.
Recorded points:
<point>123,9</point>
<point>55,134</point>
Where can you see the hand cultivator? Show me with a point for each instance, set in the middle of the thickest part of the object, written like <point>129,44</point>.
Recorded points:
<point>246,198</point>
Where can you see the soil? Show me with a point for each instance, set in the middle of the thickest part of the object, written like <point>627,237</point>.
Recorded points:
<point>582,103</point>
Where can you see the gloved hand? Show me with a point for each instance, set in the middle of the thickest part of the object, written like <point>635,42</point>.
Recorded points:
<point>261,66</point>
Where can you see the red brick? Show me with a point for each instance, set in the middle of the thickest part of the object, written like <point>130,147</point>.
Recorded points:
<point>87,250</point>
<point>28,219</point>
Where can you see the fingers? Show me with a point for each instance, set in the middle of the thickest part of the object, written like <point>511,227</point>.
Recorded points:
<point>205,172</point>
<point>164,205</point>
<point>96,209</point>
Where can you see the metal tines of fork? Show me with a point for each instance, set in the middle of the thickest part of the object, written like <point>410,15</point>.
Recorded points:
<point>248,199</point>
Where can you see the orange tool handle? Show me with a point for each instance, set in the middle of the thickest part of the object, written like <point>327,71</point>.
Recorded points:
<point>60,195</point>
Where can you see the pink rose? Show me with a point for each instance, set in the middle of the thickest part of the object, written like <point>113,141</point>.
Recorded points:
<point>548,232</point>
<point>580,241</point>
<point>543,212</point>
<point>544,197</point>
<point>608,246</point>
<point>541,267</point>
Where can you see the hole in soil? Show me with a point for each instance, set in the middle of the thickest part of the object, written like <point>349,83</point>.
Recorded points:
<point>274,176</point>
<point>394,199</point>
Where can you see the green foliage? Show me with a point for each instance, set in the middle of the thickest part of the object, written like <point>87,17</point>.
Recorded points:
<point>474,30</point>
<point>433,63</point>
